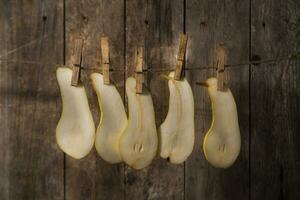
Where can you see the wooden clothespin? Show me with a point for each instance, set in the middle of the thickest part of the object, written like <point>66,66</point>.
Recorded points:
<point>76,61</point>
<point>105,60</point>
<point>221,56</point>
<point>180,56</point>
<point>139,65</point>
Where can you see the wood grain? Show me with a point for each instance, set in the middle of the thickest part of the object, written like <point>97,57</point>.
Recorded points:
<point>209,23</point>
<point>156,25</point>
<point>275,97</point>
<point>31,165</point>
<point>92,177</point>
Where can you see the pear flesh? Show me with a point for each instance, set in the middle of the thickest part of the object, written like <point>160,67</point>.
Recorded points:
<point>113,120</point>
<point>75,132</point>
<point>222,142</point>
<point>138,143</point>
<point>177,132</point>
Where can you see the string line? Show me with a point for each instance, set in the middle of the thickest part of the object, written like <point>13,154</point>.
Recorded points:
<point>204,67</point>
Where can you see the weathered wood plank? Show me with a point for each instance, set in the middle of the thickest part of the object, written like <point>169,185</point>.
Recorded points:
<point>92,177</point>
<point>207,24</point>
<point>31,163</point>
<point>156,25</point>
<point>275,97</point>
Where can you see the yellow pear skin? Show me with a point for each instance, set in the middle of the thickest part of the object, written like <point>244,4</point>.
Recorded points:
<point>75,132</point>
<point>138,143</point>
<point>113,120</point>
<point>177,132</point>
<point>222,142</point>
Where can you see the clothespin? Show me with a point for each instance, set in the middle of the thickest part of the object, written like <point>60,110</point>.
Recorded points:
<point>105,60</point>
<point>139,65</point>
<point>221,56</point>
<point>180,56</point>
<point>76,61</point>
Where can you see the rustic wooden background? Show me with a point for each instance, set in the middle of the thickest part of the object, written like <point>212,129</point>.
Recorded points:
<point>267,95</point>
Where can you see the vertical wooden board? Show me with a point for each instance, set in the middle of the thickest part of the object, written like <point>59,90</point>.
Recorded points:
<point>156,25</point>
<point>207,24</point>
<point>275,97</point>
<point>92,177</point>
<point>31,163</point>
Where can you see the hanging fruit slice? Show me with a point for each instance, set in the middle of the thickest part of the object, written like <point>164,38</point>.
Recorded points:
<point>138,144</point>
<point>177,132</point>
<point>75,132</point>
<point>113,120</point>
<point>222,142</point>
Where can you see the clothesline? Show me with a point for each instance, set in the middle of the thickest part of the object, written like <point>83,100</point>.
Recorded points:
<point>204,67</point>
<point>252,62</point>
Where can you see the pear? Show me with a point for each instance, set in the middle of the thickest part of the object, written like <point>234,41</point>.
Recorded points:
<point>75,132</point>
<point>138,143</point>
<point>113,120</point>
<point>177,132</point>
<point>222,142</point>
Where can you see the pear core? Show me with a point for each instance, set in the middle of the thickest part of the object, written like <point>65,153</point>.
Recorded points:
<point>222,142</point>
<point>138,143</point>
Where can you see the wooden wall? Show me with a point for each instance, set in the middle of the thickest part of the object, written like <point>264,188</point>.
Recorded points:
<point>267,95</point>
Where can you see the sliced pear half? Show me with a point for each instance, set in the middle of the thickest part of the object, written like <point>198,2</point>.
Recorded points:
<point>138,143</point>
<point>222,142</point>
<point>113,120</point>
<point>177,132</point>
<point>75,132</point>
